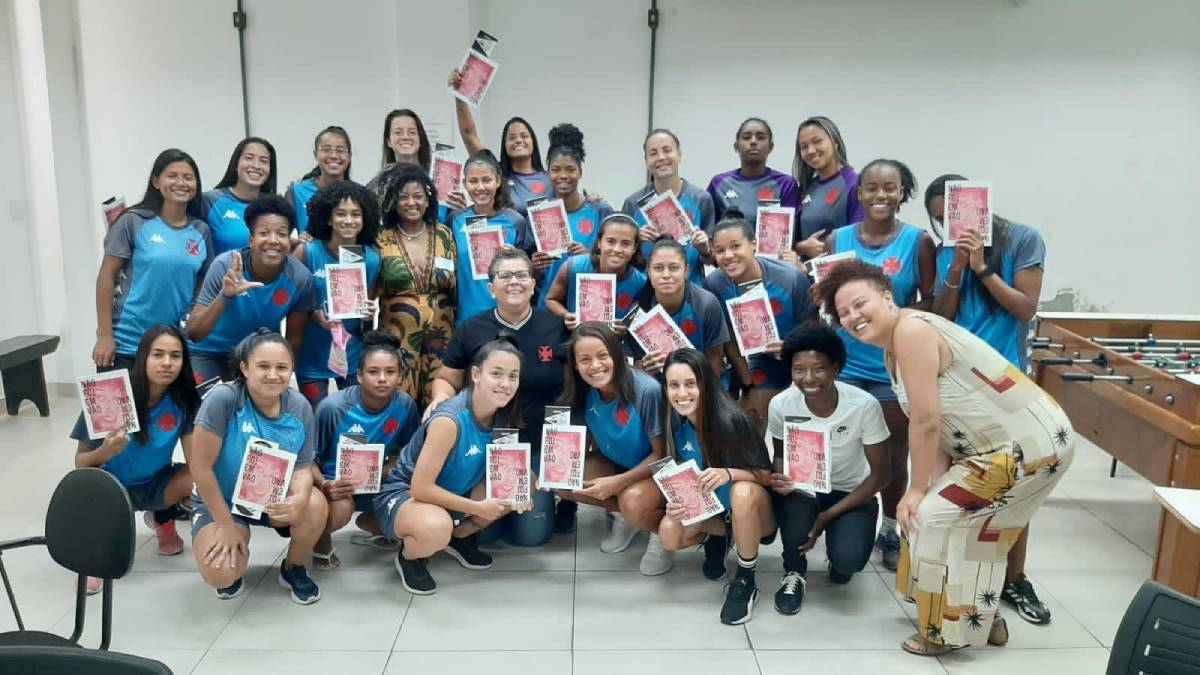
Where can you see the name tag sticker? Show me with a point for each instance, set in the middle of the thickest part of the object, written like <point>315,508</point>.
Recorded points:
<point>443,264</point>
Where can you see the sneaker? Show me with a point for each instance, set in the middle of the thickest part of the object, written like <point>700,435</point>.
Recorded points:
<point>1020,594</point>
<point>295,578</point>
<point>564,517</point>
<point>888,544</point>
<point>468,554</point>
<point>714,557</point>
<point>655,560</point>
<point>619,537</point>
<point>169,542</point>
<point>414,575</point>
<point>790,595</point>
<point>231,591</point>
<point>740,597</point>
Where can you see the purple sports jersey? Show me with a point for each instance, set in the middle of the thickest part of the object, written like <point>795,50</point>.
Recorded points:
<point>733,190</point>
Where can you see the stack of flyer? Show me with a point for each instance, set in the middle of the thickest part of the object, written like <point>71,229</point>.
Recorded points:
<point>263,477</point>
<point>680,484</point>
<point>563,447</point>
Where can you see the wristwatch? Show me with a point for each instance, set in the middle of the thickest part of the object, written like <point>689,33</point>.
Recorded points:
<point>987,272</point>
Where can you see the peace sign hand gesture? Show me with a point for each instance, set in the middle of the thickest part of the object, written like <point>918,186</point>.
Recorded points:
<point>234,283</point>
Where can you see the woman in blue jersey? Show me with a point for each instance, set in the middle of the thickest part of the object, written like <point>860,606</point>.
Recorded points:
<point>906,255</point>
<point>753,182</point>
<point>622,409</point>
<point>702,424</point>
<point>740,271</point>
<point>662,155</point>
<point>492,208</point>
<point>565,163</point>
<point>251,172</point>
<point>154,258</point>
<point>696,311</point>
<point>333,152</point>
<point>258,405</point>
<point>828,185</point>
<point>165,400</point>
<point>374,411</point>
<point>615,251</point>
<point>433,499</point>
<point>993,292</point>
<point>343,214</point>
<point>256,287</point>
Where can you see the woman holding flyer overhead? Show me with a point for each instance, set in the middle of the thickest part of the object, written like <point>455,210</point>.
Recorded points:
<point>662,155</point>
<point>331,149</point>
<point>753,182</point>
<point>828,185</point>
<point>540,336</point>
<point>906,254</point>
<point>372,412</point>
<point>622,408</point>
<point>741,272</point>
<point>565,163</point>
<point>694,310</point>
<point>154,256</point>
<point>433,498</point>
<point>857,464</point>
<point>165,401</point>
<point>345,214</point>
<point>703,425</point>
<point>988,446</point>
<point>993,292</point>
<point>256,407</point>
<point>256,287</point>
<point>615,252</point>
<point>251,172</point>
<point>491,220</point>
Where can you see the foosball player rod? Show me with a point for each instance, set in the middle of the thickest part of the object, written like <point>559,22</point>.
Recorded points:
<point>1045,343</point>
<point>1149,341</point>
<point>1092,377</point>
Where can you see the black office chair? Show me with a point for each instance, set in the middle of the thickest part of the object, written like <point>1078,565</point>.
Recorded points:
<point>89,530</point>
<point>1160,633</point>
<point>72,661</point>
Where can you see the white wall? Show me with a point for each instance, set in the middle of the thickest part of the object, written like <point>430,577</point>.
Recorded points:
<point>15,307</point>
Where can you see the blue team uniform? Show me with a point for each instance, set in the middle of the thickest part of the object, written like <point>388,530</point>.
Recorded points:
<point>627,285</point>
<point>298,194</point>
<point>687,446</point>
<point>622,433</point>
<point>523,187</point>
<point>585,224</point>
<point>225,214</point>
<point>699,207</point>
<point>138,463</point>
<point>313,361</point>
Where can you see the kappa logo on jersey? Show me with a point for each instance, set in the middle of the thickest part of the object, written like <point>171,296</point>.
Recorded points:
<point>391,505</point>
<point>807,200</point>
<point>687,447</point>
<point>280,297</point>
<point>320,274</point>
<point>247,428</point>
<point>156,238</point>
<point>545,354</point>
<point>356,429</point>
<point>230,215</point>
<point>474,450</point>
<point>731,194</point>
<point>193,247</point>
<point>891,266</point>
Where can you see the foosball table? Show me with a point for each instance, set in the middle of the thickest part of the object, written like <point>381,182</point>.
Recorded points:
<point>1131,384</point>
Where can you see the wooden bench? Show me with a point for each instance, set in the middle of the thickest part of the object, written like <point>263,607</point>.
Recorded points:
<point>22,373</point>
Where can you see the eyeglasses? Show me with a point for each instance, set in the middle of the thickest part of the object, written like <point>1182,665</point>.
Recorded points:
<point>505,277</point>
<point>340,151</point>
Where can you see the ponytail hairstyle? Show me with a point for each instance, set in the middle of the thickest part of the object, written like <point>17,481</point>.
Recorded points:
<point>617,218</point>
<point>182,390</point>
<point>908,182</point>
<point>152,200</point>
<point>485,157</point>
<point>379,341</point>
<point>388,156</point>
<point>646,298</point>
<point>994,254</point>
<point>575,390</point>
<point>727,436</point>
<point>802,172</point>
<point>245,348</point>
<point>326,200</point>
<point>505,163</point>
<point>331,129</point>
<point>506,341</point>
<point>731,219</point>
<point>230,178</point>
<point>566,140</point>
<point>661,130</point>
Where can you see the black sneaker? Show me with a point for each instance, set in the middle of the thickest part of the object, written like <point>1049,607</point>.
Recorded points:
<point>231,591</point>
<point>1021,596</point>
<point>740,597</point>
<point>294,578</point>
<point>468,554</point>
<point>414,575</point>
<point>714,557</point>
<point>564,516</point>
<point>888,545</point>
<point>790,595</point>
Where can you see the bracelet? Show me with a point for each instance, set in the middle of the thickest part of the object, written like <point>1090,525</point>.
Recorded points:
<point>947,284</point>
<point>730,474</point>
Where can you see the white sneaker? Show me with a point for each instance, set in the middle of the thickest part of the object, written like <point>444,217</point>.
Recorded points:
<point>655,560</point>
<point>619,537</point>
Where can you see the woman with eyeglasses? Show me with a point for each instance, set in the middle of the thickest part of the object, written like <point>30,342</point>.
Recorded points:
<point>332,150</point>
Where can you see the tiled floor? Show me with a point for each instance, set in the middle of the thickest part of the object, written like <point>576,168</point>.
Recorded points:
<point>567,608</point>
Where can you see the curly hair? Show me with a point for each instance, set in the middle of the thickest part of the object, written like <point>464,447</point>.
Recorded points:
<point>813,337</point>
<point>391,182</point>
<point>326,200</point>
<point>823,294</point>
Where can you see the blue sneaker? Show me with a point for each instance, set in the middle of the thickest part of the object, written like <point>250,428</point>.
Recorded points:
<point>231,591</point>
<point>295,579</point>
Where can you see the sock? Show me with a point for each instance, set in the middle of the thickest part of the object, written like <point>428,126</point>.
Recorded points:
<point>889,525</point>
<point>746,567</point>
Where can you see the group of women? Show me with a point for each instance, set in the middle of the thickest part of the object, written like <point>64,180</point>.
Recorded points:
<point>922,356</point>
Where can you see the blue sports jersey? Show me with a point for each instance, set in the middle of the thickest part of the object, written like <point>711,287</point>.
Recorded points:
<point>1023,249</point>
<point>343,413</point>
<point>313,361</point>
<point>733,190</point>
<point>138,462</point>
<point>229,413</point>
<point>622,433</point>
<point>473,296</point>
<point>699,317</point>
<point>687,446</point>
<point>787,288</point>
<point>898,260</point>
<point>699,207</point>
<point>829,204</point>
<point>627,286</point>
<point>225,214</point>
<point>298,194</point>
<point>584,223</point>
<point>523,187</point>
<point>264,307</point>
<point>467,460</point>
<point>158,280</point>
